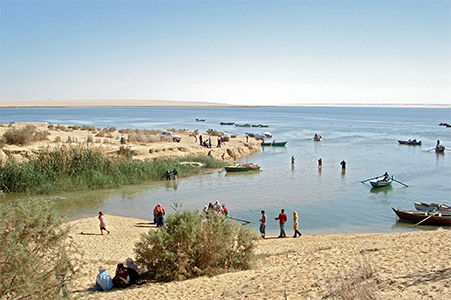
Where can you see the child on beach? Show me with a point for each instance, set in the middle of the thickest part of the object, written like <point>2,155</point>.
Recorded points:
<point>102,223</point>
<point>295,225</point>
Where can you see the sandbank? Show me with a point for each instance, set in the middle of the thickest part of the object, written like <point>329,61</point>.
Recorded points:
<point>414,265</point>
<point>145,145</point>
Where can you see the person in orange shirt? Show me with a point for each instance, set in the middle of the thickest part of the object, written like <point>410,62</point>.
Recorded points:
<point>282,220</point>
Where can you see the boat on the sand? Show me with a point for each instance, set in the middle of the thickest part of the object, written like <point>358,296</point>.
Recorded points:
<point>433,218</point>
<point>242,168</point>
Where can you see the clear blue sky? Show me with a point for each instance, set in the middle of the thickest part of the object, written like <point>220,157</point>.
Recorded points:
<point>247,52</point>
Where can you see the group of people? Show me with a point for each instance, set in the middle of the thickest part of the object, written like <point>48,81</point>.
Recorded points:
<point>125,276</point>
<point>207,143</point>
<point>170,174</point>
<point>282,218</point>
<point>320,163</point>
<point>217,208</point>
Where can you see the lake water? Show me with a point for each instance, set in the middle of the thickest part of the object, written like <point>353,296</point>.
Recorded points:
<point>327,200</point>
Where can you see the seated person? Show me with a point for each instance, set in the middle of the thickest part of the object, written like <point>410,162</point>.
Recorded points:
<point>386,177</point>
<point>121,279</point>
<point>103,280</point>
<point>132,271</point>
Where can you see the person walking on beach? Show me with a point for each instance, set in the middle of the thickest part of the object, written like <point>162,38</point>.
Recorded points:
<point>263,224</point>
<point>282,220</point>
<point>295,225</point>
<point>209,142</point>
<point>343,165</point>
<point>102,223</point>
<point>200,139</point>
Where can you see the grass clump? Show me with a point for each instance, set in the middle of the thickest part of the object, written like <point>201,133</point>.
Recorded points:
<point>191,245</point>
<point>82,167</point>
<point>24,136</point>
<point>37,258</point>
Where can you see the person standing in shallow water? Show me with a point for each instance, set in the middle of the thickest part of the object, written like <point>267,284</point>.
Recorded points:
<point>282,220</point>
<point>296,224</point>
<point>343,165</point>
<point>102,223</point>
<point>263,224</point>
<point>320,162</point>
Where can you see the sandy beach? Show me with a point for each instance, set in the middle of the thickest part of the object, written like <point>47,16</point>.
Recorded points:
<point>145,145</point>
<point>413,265</point>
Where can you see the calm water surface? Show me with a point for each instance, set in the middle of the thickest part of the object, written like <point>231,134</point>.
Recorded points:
<point>327,200</point>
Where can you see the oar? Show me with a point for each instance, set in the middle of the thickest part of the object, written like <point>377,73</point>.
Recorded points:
<point>430,216</point>
<point>241,220</point>
<point>371,178</point>
<point>400,182</point>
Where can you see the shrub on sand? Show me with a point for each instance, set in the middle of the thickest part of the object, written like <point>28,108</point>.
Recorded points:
<point>191,245</point>
<point>37,259</point>
<point>357,284</point>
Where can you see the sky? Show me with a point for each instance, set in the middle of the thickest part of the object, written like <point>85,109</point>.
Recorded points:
<point>237,52</point>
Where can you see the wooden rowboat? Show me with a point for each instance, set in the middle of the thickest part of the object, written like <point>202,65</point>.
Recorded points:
<point>410,143</point>
<point>227,123</point>
<point>279,144</point>
<point>381,183</point>
<point>432,207</point>
<point>437,218</point>
<point>242,168</point>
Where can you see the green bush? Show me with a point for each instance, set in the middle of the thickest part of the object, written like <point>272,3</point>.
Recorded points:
<point>191,245</point>
<point>37,259</point>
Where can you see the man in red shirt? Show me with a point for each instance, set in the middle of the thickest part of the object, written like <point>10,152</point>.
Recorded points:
<point>282,219</point>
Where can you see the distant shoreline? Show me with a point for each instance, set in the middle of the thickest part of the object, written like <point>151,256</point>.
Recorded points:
<point>83,103</point>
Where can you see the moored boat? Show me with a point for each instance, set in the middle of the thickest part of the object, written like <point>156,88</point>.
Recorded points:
<point>242,168</point>
<point>200,120</point>
<point>242,125</point>
<point>410,142</point>
<point>226,123</point>
<point>433,218</point>
<point>432,207</point>
<point>279,144</point>
<point>259,125</point>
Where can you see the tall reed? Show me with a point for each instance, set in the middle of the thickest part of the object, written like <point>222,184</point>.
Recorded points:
<point>79,168</point>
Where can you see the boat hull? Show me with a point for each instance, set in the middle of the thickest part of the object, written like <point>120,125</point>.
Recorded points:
<point>381,183</point>
<point>409,143</point>
<point>281,144</point>
<point>242,168</point>
<point>439,218</point>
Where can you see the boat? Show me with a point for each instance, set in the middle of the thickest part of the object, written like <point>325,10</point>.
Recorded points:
<point>242,125</point>
<point>279,144</point>
<point>260,137</point>
<point>434,218</point>
<point>267,134</point>
<point>432,207</point>
<point>250,134</point>
<point>242,168</point>
<point>259,125</point>
<point>226,123</point>
<point>440,149</point>
<point>200,120</point>
<point>410,142</point>
<point>382,182</point>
